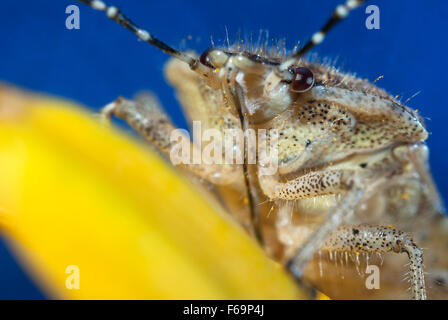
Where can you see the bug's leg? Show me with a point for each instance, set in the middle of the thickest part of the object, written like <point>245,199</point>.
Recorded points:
<point>339,14</point>
<point>287,233</point>
<point>379,239</point>
<point>334,218</point>
<point>147,117</point>
<point>311,185</point>
<point>334,181</point>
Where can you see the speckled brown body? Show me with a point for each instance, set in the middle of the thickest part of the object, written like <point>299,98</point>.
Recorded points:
<point>342,128</point>
<point>351,179</point>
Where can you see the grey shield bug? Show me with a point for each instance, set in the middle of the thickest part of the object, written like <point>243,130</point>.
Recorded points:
<point>351,193</point>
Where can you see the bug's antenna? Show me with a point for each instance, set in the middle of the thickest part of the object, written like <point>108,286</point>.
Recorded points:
<point>115,14</point>
<point>339,14</point>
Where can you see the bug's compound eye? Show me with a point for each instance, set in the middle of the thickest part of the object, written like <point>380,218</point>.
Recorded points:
<point>213,58</point>
<point>205,59</point>
<point>303,79</point>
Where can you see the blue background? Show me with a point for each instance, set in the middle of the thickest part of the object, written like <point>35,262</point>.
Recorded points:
<point>101,61</point>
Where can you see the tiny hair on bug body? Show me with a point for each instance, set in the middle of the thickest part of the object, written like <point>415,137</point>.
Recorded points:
<point>352,185</point>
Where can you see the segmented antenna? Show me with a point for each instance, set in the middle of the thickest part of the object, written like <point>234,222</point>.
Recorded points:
<point>339,14</point>
<point>115,14</point>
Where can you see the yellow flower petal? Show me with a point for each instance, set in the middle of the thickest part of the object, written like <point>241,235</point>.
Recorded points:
<point>73,193</point>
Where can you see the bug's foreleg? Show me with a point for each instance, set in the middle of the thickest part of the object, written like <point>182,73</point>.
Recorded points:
<point>378,239</point>
<point>147,117</point>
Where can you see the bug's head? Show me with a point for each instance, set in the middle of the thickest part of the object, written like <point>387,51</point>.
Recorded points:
<point>266,84</point>
<point>301,79</point>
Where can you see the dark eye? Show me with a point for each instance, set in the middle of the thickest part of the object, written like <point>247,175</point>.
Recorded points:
<point>302,80</point>
<point>205,59</point>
